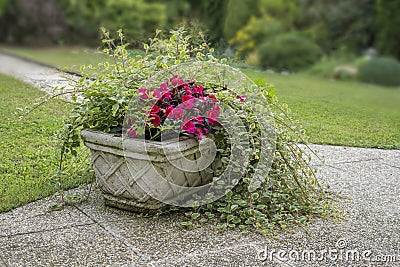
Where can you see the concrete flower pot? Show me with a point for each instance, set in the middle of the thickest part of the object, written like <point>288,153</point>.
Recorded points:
<point>127,170</point>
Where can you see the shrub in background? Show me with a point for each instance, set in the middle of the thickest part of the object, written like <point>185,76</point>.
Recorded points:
<point>381,70</point>
<point>289,51</point>
<point>253,33</point>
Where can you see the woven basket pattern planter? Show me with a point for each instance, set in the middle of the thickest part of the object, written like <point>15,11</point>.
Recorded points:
<point>124,168</point>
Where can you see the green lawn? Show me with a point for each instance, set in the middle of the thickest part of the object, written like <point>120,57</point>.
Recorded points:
<point>339,112</point>
<point>332,112</point>
<point>28,149</point>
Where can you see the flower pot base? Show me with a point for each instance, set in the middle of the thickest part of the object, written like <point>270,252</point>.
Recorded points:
<point>131,205</point>
<point>139,177</point>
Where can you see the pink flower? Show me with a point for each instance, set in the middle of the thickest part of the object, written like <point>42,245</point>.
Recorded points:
<point>198,120</point>
<point>168,110</point>
<point>155,119</point>
<point>203,99</point>
<point>176,113</point>
<point>164,86</point>
<point>242,98</point>
<point>216,109</point>
<point>187,98</point>
<point>167,95</point>
<point>132,133</point>
<point>187,90</point>
<point>187,102</point>
<point>189,127</point>
<point>143,93</point>
<point>176,81</point>
<point>198,89</point>
<point>155,94</point>
<point>212,116</point>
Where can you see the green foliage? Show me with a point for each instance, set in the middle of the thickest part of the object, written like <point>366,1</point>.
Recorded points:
<point>335,24</point>
<point>288,51</point>
<point>285,11</point>
<point>138,17</point>
<point>237,14</point>
<point>29,23</point>
<point>388,31</point>
<point>3,6</point>
<point>381,70</point>
<point>255,32</point>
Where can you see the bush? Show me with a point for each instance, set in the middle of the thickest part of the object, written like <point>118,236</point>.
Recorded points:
<point>381,70</point>
<point>288,51</point>
<point>253,33</point>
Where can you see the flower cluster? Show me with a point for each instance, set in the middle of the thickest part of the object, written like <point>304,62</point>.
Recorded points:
<point>187,102</point>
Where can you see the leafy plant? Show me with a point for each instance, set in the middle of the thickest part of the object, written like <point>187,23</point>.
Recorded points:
<point>381,70</point>
<point>288,194</point>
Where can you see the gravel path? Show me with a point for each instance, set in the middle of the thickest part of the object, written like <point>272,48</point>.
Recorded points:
<point>40,76</point>
<point>90,234</point>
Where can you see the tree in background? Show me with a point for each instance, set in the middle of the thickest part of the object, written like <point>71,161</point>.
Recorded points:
<point>31,21</point>
<point>388,30</point>
<point>138,18</point>
<point>238,13</point>
<point>338,24</point>
<point>213,14</point>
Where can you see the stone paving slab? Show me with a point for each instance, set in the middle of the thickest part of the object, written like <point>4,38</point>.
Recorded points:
<point>87,245</point>
<point>91,234</point>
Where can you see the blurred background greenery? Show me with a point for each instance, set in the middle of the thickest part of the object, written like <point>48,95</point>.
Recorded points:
<point>331,38</point>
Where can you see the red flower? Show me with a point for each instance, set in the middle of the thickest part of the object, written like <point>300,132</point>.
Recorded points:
<point>187,102</point>
<point>168,110</point>
<point>154,109</point>
<point>198,120</point>
<point>216,109</point>
<point>164,86</point>
<point>189,127</point>
<point>176,81</point>
<point>213,97</point>
<point>212,116</point>
<point>167,95</point>
<point>176,113</point>
<point>198,89</point>
<point>155,119</point>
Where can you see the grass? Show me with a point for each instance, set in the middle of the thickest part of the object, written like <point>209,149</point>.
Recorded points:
<point>28,148</point>
<point>340,112</point>
<point>332,112</point>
